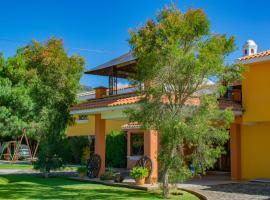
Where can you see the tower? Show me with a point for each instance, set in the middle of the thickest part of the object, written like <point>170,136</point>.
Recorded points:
<point>249,48</point>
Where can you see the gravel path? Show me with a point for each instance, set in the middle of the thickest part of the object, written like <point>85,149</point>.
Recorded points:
<point>16,172</point>
<point>233,191</point>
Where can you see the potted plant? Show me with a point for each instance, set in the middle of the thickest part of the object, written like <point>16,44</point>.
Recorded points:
<point>139,174</point>
<point>82,171</point>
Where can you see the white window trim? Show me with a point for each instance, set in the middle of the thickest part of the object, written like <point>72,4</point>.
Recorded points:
<point>134,157</point>
<point>84,121</point>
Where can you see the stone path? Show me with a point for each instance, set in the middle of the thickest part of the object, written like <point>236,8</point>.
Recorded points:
<point>16,172</point>
<point>232,191</point>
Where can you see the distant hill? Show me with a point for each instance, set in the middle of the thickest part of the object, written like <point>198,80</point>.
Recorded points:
<point>85,88</point>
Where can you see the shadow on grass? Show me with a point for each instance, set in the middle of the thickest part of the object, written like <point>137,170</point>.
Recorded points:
<point>60,188</point>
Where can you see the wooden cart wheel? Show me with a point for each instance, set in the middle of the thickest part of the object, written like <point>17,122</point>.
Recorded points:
<point>146,162</point>
<point>93,166</point>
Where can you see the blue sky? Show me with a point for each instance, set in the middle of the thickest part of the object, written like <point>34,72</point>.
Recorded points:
<point>98,30</point>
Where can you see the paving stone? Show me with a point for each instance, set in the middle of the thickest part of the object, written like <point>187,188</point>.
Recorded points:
<point>235,191</point>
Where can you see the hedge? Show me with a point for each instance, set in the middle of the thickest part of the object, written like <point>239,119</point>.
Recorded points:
<point>116,149</point>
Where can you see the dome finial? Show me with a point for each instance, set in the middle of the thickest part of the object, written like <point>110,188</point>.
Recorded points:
<point>249,48</point>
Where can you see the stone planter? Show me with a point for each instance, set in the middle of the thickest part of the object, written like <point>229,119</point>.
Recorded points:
<point>140,181</point>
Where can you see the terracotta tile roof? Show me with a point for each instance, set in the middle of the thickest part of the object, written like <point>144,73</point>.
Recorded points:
<point>257,55</point>
<point>116,100</point>
<point>131,125</point>
<point>132,98</point>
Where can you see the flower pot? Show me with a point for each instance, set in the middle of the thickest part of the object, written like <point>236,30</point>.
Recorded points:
<point>82,174</point>
<point>140,181</point>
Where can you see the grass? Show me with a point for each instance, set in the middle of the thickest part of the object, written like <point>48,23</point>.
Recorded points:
<point>29,167</point>
<point>16,166</point>
<point>27,187</point>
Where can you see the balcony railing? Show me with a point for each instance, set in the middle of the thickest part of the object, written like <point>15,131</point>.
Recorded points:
<point>92,94</point>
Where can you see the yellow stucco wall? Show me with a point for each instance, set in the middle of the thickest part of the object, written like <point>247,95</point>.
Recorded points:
<point>114,125</point>
<point>255,91</point>
<point>81,129</point>
<point>255,150</point>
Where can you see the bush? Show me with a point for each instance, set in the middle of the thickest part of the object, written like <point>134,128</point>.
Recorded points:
<point>76,148</point>
<point>116,149</point>
<point>85,155</point>
<point>139,172</point>
<point>119,178</point>
<point>48,158</point>
<point>82,169</point>
<point>108,175</point>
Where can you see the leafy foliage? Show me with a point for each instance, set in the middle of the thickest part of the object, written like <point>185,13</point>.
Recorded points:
<point>139,172</point>
<point>38,85</point>
<point>54,92</point>
<point>82,169</point>
<point>116,149</point>
<point>16,104</point>
<point>176,55</point>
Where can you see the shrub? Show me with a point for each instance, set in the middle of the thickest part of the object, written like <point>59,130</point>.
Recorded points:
<point>139,172</point>
<point>48,158</point>
<point>119,178</point>
<point>108,175</point>
<point>116,149</point>
<point>82,169</point>
<point>76,145</point>
<point>85,154</point>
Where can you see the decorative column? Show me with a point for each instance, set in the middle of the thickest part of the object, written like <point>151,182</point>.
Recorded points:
<point>151,144</point>
<point>100,141</point>
<point>235,149</point>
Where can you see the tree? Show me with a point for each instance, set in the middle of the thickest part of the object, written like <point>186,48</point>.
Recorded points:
<point>54,91</point>
<point>176,56</point>
<point>16,104</point>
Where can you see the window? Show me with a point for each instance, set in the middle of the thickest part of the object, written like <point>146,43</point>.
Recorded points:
<point>252,51</point>
<point>83,117</point>
<point>137,144</point>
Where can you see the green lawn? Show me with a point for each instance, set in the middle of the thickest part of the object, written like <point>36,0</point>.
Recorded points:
<point>16,166</point>
<point>29,167</point>
<point>27,187</point>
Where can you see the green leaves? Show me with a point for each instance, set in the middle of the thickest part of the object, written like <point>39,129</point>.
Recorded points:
<point>37,87</point>
<point>177,55</point>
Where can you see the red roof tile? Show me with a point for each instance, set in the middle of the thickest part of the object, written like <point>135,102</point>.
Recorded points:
<point>257,55</point>
<point>132,98</point>
<point>117,100</point>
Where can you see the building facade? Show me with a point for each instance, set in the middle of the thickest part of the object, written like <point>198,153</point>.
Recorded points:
<point>102,111</point>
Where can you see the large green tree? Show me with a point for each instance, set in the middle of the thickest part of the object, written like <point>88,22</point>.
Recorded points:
<point>177,55</point>
<point>16,104</point>
<point>38,86</point>
<point>54,92</point>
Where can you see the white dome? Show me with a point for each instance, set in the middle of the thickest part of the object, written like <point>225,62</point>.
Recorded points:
<point>249,48</point>
<point>250,43</point>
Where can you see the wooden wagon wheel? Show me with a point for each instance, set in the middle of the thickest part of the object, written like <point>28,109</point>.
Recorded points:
<point>93,166</point>
<point>146,162</point>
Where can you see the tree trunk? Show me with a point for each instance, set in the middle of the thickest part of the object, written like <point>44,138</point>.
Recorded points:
<point>165,183</point>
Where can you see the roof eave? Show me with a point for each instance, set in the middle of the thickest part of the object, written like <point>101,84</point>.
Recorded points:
<point>254,60</point>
